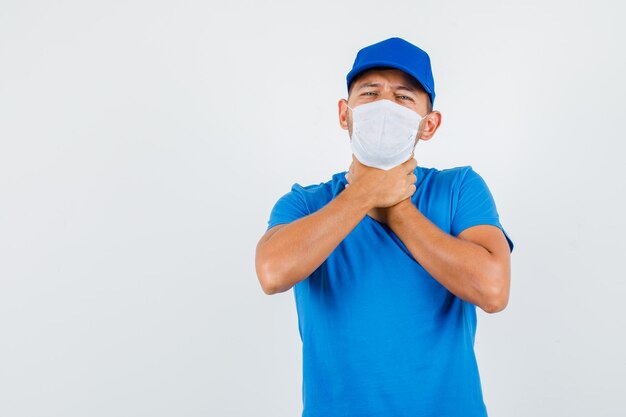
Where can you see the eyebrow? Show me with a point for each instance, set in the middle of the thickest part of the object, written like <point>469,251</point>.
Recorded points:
<point>399,87</point>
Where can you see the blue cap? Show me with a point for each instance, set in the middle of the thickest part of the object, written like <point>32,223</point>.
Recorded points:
<point>396,53</point>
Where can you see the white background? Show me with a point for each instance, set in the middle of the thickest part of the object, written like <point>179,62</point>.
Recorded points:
<point>144,143</point>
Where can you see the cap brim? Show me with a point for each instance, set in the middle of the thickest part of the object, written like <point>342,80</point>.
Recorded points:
<point>374,64</point>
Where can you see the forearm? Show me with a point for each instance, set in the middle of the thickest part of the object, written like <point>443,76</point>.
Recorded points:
<point>297,249</point>
<point>466,269</point>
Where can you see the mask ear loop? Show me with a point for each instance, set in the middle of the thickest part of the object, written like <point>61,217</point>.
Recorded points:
<point>417,139</point>
<point>352,113</point>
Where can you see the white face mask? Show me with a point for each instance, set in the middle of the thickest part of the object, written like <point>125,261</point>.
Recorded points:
<point>383,133</point>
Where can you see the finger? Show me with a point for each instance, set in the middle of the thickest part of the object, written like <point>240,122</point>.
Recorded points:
<point>410,165</point>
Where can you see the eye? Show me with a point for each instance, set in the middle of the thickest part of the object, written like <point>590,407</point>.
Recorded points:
<point>368,92</point>
<point>406,98</point>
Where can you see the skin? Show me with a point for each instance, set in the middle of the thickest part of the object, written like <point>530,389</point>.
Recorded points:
<point>394,85</point>
<point>475,265</point>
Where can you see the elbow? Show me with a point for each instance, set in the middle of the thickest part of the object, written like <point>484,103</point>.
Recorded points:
<point>266,279</point>
<point>273,272</point>
<point>270,274</point>
<point>273,281</point>
<point>494,304</point>
<point>264,270</point>
<point>496,296</point>
<point>270,270</point>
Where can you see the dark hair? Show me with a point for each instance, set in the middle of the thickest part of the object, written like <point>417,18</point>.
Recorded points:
<point>416,84</point>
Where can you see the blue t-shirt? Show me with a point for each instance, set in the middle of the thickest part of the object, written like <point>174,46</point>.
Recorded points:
<point>380,336</point>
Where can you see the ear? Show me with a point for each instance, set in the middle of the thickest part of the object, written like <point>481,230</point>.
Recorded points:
<point>430,125</point>
<point>343,108</point>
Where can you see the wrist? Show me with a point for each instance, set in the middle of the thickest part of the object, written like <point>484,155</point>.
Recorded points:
<point>400,210</point>
<point>358,196</point>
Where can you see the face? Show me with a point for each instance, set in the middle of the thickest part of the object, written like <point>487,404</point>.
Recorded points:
<point>394,85</point>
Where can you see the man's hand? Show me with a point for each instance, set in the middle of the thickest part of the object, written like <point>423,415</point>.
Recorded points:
<point>387,189</point>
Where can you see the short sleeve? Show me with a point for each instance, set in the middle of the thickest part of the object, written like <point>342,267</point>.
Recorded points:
<point>475,205</point>
<point>290,207</point>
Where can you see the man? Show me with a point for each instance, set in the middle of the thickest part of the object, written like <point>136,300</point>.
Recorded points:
<point>389,260</point>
